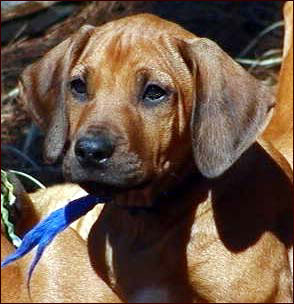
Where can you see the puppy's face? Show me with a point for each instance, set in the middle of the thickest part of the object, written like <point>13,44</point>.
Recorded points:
<point>126,109</point>
<point>129,103</point>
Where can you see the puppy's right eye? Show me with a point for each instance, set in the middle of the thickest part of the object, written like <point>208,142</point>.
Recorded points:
<point>78,88</point>
<point>154,94</point>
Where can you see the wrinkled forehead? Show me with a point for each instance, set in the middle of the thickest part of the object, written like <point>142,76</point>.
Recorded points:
<point>135,43</point>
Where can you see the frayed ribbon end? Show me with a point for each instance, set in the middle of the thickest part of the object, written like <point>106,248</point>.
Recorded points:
<point>45,231</point>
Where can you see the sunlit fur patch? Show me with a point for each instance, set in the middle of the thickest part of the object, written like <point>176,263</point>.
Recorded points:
<point>44,232</point>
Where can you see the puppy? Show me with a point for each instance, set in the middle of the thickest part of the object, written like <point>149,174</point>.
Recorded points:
<point>280,130</point>
<point>166,122</point>
<point>64,273</point>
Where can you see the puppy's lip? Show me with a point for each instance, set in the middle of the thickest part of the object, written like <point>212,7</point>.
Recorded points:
<point>99,189</point>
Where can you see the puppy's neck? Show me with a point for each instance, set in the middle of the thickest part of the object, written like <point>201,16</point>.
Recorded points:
<point>160,192</point>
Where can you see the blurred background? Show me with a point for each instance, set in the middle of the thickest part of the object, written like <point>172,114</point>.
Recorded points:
<point>250,31</point>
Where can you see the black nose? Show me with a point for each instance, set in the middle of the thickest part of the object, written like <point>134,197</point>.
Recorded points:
<point>93,151</point>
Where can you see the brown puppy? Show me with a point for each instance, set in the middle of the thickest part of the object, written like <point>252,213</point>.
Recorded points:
<point>13,289</point>
<point>166,122</point>
<point>36,206</point>
<point>57,278</point>
<point>280,130</point>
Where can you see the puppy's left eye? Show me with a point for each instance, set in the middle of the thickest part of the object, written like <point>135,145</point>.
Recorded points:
<point>154,94</point>
<point>78,88</point>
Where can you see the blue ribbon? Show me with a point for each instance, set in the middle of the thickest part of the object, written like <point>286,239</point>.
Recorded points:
<point>45,231</point>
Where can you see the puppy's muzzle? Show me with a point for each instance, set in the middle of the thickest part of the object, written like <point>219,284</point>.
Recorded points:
<point>94,151</point>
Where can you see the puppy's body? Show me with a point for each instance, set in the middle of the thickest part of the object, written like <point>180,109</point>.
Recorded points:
<point>38,205</point>
<point>280,130</point>
<point>166,122</point>
<point>13,288</point>
<point>57,278</point>
<point>226,242</point>
<point>63,275</point>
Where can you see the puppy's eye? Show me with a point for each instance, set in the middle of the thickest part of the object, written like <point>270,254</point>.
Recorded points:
<point>79,88</point>
<point>154,94</point>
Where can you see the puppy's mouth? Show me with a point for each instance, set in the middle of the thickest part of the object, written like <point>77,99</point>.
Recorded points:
<point>98,189</point>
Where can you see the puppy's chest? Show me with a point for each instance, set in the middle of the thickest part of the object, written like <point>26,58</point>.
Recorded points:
<point>143,252</point>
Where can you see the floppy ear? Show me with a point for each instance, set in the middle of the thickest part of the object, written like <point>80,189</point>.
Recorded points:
<point>230,108</point>
<point>43,90</point>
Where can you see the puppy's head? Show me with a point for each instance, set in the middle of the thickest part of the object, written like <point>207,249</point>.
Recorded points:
<point>137,98</point>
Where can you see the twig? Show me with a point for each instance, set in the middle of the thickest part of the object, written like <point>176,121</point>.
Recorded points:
<point>29,139</point>
<point>259,36</point>
<point>261,63</point>
<point>28,177</point>
<point>20,154</point>
<point>11,94</point>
